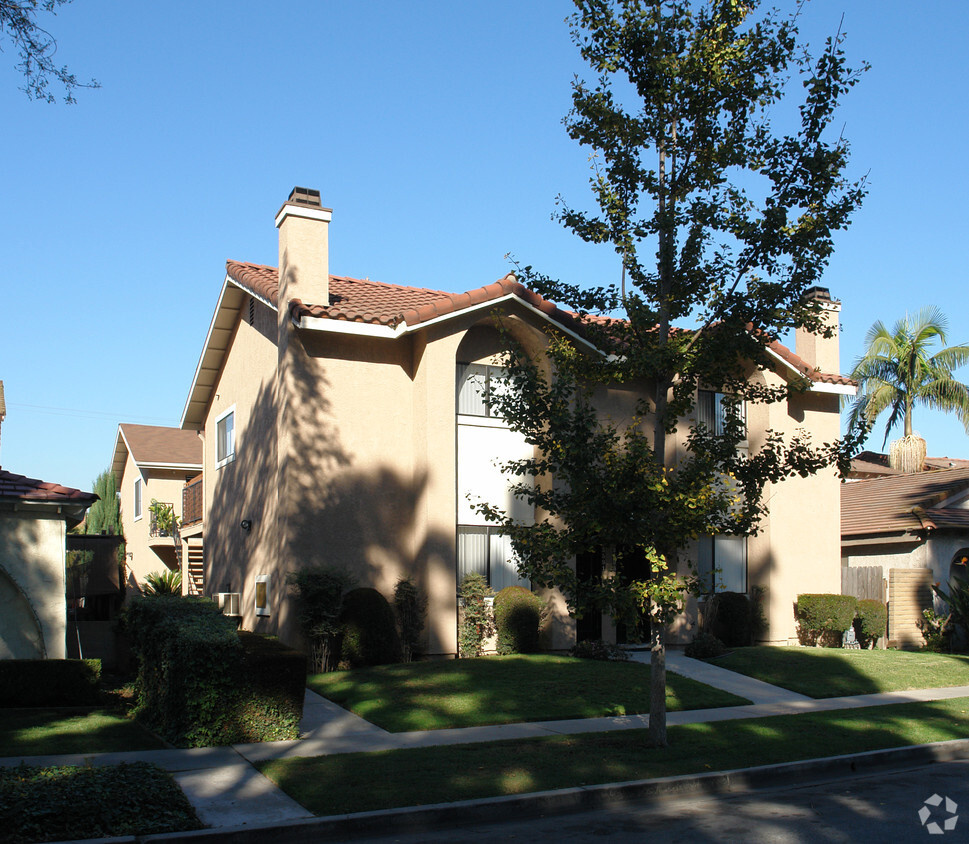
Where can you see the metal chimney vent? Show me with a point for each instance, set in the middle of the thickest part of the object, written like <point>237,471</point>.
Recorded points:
<point>306,196</point>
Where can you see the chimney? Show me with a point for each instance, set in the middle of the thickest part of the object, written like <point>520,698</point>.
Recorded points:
<point>304,266</point>
<point>819,352</point>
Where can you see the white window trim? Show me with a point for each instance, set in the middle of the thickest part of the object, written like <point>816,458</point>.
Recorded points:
<point>139,511</point>
<point>230,457</point>
<point>261,611</point>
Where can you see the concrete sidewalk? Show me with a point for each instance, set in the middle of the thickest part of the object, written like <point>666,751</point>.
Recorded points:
<point>228,792</point>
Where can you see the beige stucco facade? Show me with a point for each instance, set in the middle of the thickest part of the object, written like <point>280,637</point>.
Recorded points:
<point>33,613</point>
<point>346,452</point>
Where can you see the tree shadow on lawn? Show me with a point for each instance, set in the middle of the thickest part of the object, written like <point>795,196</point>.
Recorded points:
<point>504,690</point>
<point>367,781</point>
<point>49,731</point>
<point>836,672</point>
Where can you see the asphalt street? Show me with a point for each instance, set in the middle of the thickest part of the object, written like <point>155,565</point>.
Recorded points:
<point>888,807</point>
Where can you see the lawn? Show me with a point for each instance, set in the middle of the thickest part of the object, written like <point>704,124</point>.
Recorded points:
<point>67,803</point>
<point>360,782</point>
<point>833,672</point>
<point>504,690</point>
<point>39,732</point>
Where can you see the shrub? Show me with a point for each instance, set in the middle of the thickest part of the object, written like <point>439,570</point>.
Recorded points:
<point>518,615</point>
<point>198,685</point>
<point>168,582</point>
<point>597,649</point>
<point>705,646</point>
<point>871,621</point>
<point>369,630</point>
<point>49,682</point>
<point>936,631</point>
<point>823,618</point>
<point>319,599</point>
<point>730,618</point>
<point>410,606</point>
<point>477,622</point>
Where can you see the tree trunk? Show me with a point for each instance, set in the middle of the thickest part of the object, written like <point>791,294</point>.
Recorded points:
<point>657,690</point>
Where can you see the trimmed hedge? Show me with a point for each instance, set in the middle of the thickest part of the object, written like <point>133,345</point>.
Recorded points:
<point>49,682</point>
<point>823,618</point>
<point>871,621</point>
<point>369,630</point>
<point>518,614</point>
<point>705,646</point>
<point>199,686</point>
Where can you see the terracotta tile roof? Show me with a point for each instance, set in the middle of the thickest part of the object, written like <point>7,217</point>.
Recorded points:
<point>22,488</point>
<point>808,371</point>
<point>376,303</point>
<point>901,503</point>
<point>152,444</point>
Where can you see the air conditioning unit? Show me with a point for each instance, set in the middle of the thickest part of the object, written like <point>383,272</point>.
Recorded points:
<point>230,603</point>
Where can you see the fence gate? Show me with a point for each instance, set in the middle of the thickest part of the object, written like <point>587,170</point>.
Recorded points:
<point>864,582</point>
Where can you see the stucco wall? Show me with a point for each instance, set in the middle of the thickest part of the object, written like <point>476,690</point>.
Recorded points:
<point>245,488</point>
<point>162,485</point>
<point>33,613</point>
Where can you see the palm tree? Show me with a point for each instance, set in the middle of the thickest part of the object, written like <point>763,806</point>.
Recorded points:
<point>897,372</point>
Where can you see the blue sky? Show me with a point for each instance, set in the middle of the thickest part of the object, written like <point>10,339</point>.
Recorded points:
<point>433,129</point>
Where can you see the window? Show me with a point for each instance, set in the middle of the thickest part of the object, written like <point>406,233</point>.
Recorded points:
<point>225,437</point>
<point>138,498</point>
<point>485,551</point>
<point>713,411</point>
<point>262,594</point>
<point>475,380</point>
<point>722,563</point>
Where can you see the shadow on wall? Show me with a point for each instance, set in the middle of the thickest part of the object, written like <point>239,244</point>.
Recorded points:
<point>22,614</point>
<point>334,508</point>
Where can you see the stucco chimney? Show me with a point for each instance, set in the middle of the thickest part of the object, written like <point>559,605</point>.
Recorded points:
<point>304,265</point>
<point>819,352</point>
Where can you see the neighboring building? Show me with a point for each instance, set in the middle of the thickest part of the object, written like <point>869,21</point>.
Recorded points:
<point>154,463</point>
<point>34,519</point>
<point>915,528</point>
<point>871,464</point>
<point>343,425</point>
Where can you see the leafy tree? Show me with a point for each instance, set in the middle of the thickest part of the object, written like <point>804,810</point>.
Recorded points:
<point>36,48</point>
<point>898,371</point>
<point>716,218</point>
<point>104,515</point>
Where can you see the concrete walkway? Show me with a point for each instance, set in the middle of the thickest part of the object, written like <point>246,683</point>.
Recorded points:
<point>227,791</point>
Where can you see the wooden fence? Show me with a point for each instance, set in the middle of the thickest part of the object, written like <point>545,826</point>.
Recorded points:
<point>863,582</point>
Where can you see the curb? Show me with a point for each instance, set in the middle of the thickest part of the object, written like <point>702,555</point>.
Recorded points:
<point>418,819</point>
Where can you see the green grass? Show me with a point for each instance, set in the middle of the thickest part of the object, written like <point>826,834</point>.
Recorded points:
<point>66,803</point>
<point>833,672</point>
<point>39,732</point>
<point>504,690</point>
<point>360,782</point>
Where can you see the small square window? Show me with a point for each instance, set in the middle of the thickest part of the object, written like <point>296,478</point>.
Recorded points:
<point>225,437</point>
<point>262,594</point>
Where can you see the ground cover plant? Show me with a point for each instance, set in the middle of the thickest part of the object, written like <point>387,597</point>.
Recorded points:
<point>502,690</point>
<point>365,781</point>
<point>38,732</point>
<point>830,672</point>
<point>69,803</point>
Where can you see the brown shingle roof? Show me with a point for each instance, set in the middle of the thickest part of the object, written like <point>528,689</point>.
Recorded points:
<point>22,488</point>
<point>376,303</point>
<point>869,464</point>
<point>903,503</point>
<point>152,444</point>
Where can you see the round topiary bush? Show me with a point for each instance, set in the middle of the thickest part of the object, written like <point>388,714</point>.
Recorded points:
<point>369,630</point>
<point>705,646</point>
<point>518,614</point>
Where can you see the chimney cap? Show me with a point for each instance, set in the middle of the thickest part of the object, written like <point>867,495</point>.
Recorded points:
<point>816,293</point>
<point>305,196</point>
<point>304,202</point>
